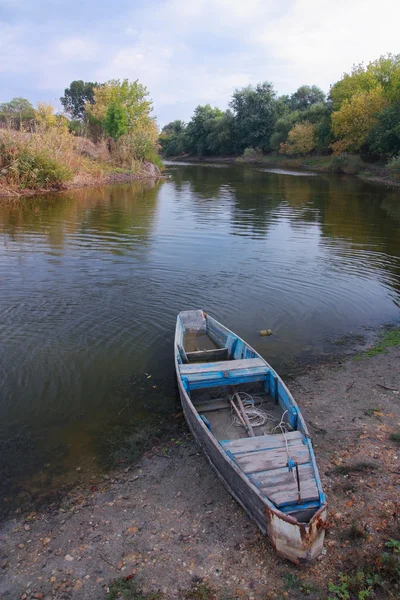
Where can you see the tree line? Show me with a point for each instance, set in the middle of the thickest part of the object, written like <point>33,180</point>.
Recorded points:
<point>120,110</point>
<point>105,127</point>
<point>361,115</point>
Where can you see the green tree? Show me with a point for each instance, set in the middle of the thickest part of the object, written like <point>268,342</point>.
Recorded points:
<point>282,128</point>
<point>17,112</point>
<point>133,96</point>
<point>173,139</point>
<point>357,82</point>
<point>220,134</point>
<point>116,121</point>
<point>323,134</point>
<point>316,112</point>
<point>255,111</point>
<point>199,128</point>
<point>306,96</point>
<point>319,114</point>
<point>384,135</point>
<point>76,96</point>
<point>383,72</point>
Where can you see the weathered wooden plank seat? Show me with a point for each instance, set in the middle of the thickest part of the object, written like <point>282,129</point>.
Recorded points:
<point>264,459</point>
<point>272,458</point>
<point>223,365</point>
<point>262,442</point>
<point>208,355</point>
<point>213,405</point>
<point>280,485</point>
<point>225,372</point>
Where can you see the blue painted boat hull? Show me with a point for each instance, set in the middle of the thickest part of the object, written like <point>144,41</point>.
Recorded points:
<point>296,530</point>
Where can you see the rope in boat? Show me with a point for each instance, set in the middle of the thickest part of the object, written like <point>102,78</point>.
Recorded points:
<point>258,417</point>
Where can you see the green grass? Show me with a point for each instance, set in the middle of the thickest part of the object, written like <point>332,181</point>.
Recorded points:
<point>390,339</point>
<point>199,591</point>
<point>378,577</point>
<point>371,411</point>
<point>350,340</point>
<point>291,581</point>
<point>128,589</point>
<point>395,437</point>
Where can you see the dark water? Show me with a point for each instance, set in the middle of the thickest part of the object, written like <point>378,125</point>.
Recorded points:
<point>91,282</point>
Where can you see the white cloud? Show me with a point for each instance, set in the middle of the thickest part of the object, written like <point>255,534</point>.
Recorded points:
<point>189,52</point>
<point>318,40</point>
<point>77,49</point>
<point>302,42</point>
<point>13,58</point>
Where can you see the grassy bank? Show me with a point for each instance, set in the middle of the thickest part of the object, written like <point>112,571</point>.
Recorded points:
<point>348,164</point>
<point>388,339</point>
<point>53,159</point>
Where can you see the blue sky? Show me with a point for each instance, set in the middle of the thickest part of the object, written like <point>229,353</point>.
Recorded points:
<point>188,52</point>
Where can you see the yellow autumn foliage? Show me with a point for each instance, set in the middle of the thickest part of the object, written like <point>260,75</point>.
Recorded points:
<point>44,116</point>
<point>131,96</point>
<point>352,123</point>
<point>301,140</point>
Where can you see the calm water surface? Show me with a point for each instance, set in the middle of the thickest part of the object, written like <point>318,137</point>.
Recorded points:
<point>91,282</point>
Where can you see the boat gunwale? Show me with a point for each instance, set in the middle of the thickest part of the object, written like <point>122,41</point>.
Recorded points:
<point>225,455</point>
<point>293,401</point>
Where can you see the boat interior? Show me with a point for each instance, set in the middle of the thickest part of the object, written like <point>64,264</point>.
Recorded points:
<point>224,378</point>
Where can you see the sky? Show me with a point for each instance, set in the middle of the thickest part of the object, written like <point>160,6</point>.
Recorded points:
<point>188,52</point>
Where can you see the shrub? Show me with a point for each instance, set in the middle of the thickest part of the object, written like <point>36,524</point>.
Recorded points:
<point>301,140</point>
<point>346,163</point>
<point>252,154</point>
<point>40,170</point>
<point>24,166</point>
<point>394,164</point>
<point>141,144</point>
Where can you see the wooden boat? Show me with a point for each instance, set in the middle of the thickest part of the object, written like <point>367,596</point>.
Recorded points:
<point>272,473</point>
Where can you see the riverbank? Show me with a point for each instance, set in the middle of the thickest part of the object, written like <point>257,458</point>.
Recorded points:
<point>167,525</point>
<point>54,160</point>
<point>147,170</point>
<point>323,164</point>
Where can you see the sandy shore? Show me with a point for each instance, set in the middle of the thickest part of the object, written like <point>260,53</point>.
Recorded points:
<point>168,521</point>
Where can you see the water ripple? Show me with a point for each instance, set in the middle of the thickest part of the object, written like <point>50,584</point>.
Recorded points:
<point>91,282</point>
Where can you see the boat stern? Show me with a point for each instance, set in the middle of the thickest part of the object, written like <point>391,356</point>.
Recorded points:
<point>300,543</point>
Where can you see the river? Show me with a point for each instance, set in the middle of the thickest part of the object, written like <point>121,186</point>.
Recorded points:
<point>91,282</point>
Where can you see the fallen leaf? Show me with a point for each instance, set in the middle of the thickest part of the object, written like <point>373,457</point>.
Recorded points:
<point>78,585</point>
<point>131,530</point>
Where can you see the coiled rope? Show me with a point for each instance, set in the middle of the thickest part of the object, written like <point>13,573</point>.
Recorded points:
<point>258,418</point>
